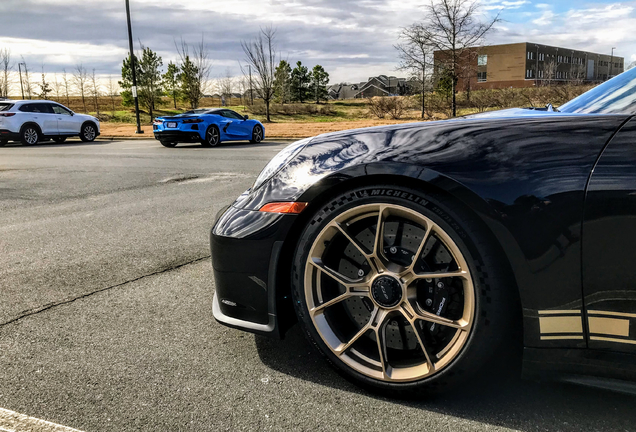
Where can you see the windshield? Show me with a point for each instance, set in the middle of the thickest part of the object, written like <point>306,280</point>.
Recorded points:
<point>616,96</point>
<point>5,106</point>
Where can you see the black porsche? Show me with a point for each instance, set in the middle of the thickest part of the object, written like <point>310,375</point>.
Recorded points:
<point>411,255</point>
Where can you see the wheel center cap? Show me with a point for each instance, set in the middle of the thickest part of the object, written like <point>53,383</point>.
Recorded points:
<point>386,291</point>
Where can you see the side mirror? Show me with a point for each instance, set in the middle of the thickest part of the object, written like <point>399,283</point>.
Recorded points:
<point>245,117</point>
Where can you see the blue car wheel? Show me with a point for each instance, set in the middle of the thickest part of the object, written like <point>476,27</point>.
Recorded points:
<point>212,137</point>
<point>257,134</point>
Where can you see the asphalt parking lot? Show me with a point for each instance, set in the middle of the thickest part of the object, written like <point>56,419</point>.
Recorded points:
<point>105,313</point>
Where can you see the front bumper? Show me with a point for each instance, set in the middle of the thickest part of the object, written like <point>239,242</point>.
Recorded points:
<point>246,248</point>
<point>177,135</point>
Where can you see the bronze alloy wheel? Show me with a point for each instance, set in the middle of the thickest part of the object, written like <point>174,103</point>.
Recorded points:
<point>389,292</point>
<point>402,291</point>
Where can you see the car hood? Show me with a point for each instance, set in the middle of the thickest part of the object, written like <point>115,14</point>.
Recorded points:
<point>483,150</point>
<point>86,117</point>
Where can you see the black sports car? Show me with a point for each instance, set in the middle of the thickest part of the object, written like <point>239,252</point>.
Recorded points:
<point>411,254</point>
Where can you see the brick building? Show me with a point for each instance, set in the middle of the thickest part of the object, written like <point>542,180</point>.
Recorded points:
<point>528,64</point>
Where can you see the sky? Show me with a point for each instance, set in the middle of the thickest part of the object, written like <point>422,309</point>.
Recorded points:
<point>351,39</point>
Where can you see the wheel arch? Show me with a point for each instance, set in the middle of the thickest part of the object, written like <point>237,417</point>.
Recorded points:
<point>89,122</point>
<point>427,181</point>
<point>31,123</point>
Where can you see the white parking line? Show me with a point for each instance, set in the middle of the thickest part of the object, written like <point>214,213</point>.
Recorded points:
<point>11,421</point>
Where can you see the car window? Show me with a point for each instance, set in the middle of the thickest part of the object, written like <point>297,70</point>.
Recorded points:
<point>232,114</point>
<point>27,108</point>
<point>5,106</point>
<point>45,108</point>
<point>58,109</point>
<point>616,96</point>
<point>42,108</point>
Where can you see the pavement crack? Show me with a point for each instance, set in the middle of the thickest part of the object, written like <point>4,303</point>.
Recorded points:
<point>37,310</point>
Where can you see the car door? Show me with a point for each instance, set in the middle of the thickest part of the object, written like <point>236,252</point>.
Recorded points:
<point>42,115</point>
<point>66,123</point>
<point>49,118</point>
<point>609,246</point>
<point>238,128</point>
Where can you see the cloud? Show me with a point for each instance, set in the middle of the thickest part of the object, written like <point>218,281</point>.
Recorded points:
<point>545,19</point>
<point>352,39</point>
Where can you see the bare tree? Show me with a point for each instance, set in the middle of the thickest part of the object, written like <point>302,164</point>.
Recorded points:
<point>94,90</point>
<point>549,72</point>
<point>416,57</point>
<point>26,80</point>
<point>66,85</point>
<point>57,87</point>
<point>80,79</point>
<point>453,27</point>
<point>113,91</point>
<point>225,86</point>
<point>5,72</point>
<point>195,71</point>
<point>260,54</point>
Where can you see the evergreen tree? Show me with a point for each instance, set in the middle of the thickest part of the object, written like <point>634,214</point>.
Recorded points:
<point>300,81</point>
<point>148,71</point>
<point>126,81</point>
<point>149,80</point>
<point>282,82</point>
<point>45,88</point>
<point>319,81</point>
<point>190,84</point>
<point>171,82</point>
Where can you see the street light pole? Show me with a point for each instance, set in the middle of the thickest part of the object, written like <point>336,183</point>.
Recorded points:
<point>612,62</point>
<point>21,85</point>
<point>133,68</point>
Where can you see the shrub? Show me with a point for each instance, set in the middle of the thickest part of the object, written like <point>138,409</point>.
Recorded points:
<point>292,109</point>
<point>393,107</point>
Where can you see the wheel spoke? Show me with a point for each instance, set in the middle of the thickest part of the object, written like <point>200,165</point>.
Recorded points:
<point>408,276</point>
<point>322,307</point>
<point>413,314</point>
<point>352,285</point>
<point>376,256</point>
<point>420,341</point>
<point>353,241</point>
<point>378,324</point>
<point>368,326</point>
<point>420,249</point>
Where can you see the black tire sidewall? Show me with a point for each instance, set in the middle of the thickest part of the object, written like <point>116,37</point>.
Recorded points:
<point>83,132</point>
<point>482,339</point>
<point>253,140</point>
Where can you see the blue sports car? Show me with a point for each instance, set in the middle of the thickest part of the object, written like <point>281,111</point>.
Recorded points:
<point>209,127</point>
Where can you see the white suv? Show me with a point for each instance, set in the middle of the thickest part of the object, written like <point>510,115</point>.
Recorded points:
<point>30,121</point>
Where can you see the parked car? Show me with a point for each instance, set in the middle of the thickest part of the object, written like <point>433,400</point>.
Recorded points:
<point>210,127</point>
<point>413,255</point>
<point>31,121</point>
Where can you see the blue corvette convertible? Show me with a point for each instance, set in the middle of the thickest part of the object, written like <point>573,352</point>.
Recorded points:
<point>209,127</point>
